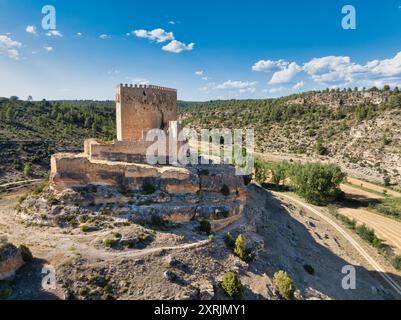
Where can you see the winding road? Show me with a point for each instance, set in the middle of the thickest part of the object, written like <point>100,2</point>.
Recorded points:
<point>350,239</point>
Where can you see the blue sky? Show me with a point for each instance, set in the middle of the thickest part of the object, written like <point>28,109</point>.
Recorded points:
<point>206,49</point>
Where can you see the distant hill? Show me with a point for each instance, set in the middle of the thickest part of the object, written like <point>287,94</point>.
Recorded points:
<point>31,131</point>
<point>360,130</point>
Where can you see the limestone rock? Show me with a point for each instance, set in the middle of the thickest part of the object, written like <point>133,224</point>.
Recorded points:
<point>10,260</point>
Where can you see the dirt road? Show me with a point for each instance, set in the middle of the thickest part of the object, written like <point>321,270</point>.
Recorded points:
<point>373,187</point>
<point>386,229</point>
<point>351,240</point>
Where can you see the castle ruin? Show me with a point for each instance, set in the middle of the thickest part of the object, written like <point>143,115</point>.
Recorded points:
<point>194,191</point>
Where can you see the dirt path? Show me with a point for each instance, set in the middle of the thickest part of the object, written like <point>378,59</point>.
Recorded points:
<point>23,182</point>
<point>386,229</point>
<point>355,192</point>
<point>351,240</point>
<point>55,246</point>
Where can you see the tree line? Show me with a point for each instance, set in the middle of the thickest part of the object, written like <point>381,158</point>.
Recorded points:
<point>316,182</point>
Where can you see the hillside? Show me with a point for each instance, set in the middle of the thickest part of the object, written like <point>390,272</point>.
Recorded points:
<point>358,130</point>
<point>31,131</point>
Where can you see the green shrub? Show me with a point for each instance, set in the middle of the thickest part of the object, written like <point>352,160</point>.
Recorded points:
<point>84,227</point>
<point>25,253</point>
<point>320,148</point>
<point>261,171</point>
<point>241,250</point>
<point>82,292</point>
<point>22,198</point>
<point>205,226</point>
<point>309,269</point>
<point>369,235</point>
<point>390,207</point>
<point>211,237</point>
<point>284,284</point>
<point>350,223</point>
<point>142,237</point>
<point>397,262</point>
<point>83,218</point>
<point>148,188</point>
<point>109,242</point>
<point>231,284</point>
<point>51,200</point>
<point>229,240</point>
<point>225,190</point>
<point>27,170</point>
<point>39,188</point>
<point>117,235</point>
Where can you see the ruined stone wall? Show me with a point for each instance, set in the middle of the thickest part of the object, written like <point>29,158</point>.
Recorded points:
<point>72,170</point>
<point>142,108</point>
<point>125,151</point>
<point>76,170</point>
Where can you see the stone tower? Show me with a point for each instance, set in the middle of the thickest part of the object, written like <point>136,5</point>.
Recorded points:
<point>142,108</point>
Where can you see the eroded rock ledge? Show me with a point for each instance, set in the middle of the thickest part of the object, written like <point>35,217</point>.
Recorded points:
<point>101,193</point>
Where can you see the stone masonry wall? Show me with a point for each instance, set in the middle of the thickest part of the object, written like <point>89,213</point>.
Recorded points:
<point>142,108</point>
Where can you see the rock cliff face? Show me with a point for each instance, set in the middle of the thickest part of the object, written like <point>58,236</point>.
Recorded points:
<point>338,99</point>
<point>100,194</point>
<point>10,260</point>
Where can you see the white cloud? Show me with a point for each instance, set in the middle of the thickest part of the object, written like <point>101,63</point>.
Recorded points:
<point>270,65</point>
<point>242,86</point>
<point>298,85</point>
<point>201,74</point>
<point>387,67</point>
<point>332,69</point>
<point>48,49</point>
<point>335,71</point>
<point>171,22</point>
<point>54,33</point>
<point>286,75</point>
<point>176,46</point>
<point>104,36</point>
<point>9,47</point>
<point>158,35</point>
<point>79,34</point>
<point>31,29</point>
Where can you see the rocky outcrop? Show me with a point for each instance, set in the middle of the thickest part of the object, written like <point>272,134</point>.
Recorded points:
<point>10,260</point>
<point>339,99</point>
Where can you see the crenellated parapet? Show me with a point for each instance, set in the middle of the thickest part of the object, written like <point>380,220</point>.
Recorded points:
<point>146,86</point>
